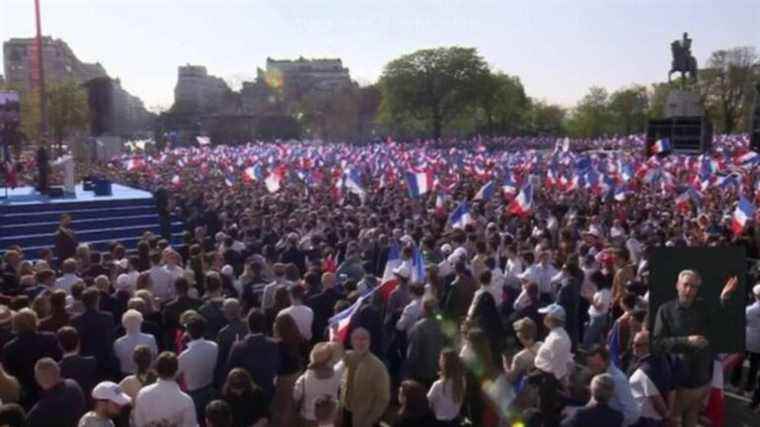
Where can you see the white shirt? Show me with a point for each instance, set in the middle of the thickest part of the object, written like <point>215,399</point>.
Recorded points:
<point>164,402</point>
<point>163,283</point>
<point>753,327</point>
<point>310,388</point>
<point>642,388</point>
<point>410,315</point>
<point>512,271</point>
<point>197,363</point>
<point>175,271</point>
<point>622,399</point>
<point>496,288</point>
<point>124,347</point>
<point>66,281</point>
<point>303,317</point>
<point>441,398</point>
<point>603,299</point>
<point>542,276</point>
<point>554,356</point>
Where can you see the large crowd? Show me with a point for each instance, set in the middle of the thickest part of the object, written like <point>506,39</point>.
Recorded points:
<point>489,282</point>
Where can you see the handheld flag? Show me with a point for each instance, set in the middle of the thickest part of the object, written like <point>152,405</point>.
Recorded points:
<point>461,216</point>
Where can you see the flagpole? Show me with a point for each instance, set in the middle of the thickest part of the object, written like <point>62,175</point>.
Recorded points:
<point>40,72</point>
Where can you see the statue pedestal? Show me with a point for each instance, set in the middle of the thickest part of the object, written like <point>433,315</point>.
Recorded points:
<point>681,103</point>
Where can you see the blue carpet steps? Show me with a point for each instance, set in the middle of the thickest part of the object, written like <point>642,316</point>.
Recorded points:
<point>97,222</point>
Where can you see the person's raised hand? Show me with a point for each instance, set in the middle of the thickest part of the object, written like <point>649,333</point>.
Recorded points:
<point>730,287</point>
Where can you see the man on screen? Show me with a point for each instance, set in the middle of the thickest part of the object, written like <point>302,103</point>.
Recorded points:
<point>679,329</point>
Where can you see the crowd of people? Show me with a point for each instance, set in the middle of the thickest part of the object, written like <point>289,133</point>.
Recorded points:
<point>326,284</point>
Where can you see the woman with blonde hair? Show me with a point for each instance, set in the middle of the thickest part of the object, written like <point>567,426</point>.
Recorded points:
<point>320,382</point>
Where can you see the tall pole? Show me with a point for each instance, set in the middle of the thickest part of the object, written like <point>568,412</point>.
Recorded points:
<point>40,73</point>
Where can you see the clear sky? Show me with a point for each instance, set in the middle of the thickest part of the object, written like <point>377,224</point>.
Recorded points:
<point>558,48</point>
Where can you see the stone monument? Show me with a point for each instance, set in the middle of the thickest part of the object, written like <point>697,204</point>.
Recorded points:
<point>682,102</point>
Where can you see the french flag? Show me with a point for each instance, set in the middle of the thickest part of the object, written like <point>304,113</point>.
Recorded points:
<point>620,194</point>
<point>340,323</point>
<point>273,182</point>
<point>393,261</point>
<point>461,216</point>
<point>661,146</point>
<point>440,205</point>
<point>419,273</point>
<point>716,405</point>
<point>352,181</point>
<point>749,159</point>
<point>485,192</point>
<point>509,186</point>
<point>229,180</point>
<point>682,201</point>
<point>523,203</point>
<point>134,163</point>
<point>613,343</point>
<point>419,183</point>
<point>743,213</point>
<point>253,173</point>
<point>176,181</point>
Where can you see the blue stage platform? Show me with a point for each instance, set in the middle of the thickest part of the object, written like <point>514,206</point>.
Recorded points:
<point>31,220</point>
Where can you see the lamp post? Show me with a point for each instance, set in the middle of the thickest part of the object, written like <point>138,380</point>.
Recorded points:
<point>40,73</point>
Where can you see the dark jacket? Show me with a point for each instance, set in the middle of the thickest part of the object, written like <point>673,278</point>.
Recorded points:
<point>212,311</point>
<point>322,304</point>
<point>227,337</point>
<point>569,298</point>
<point>96,336</point>
<point>82,369</point>
<point>65,244</point>
<point>22,353</point>
<point>424,346</point>
<point>595,415</point>
<point>61,406</point>
<point>260,356</point>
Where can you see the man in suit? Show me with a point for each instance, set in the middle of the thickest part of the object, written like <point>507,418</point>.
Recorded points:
<point>257,353</point>
<point>235,331</point>
<point>96,331</point>
<point>21,353</point>
<point>82,369</point>
<point>174,308</point>
<point>65,240</point>
<point>597,413</point>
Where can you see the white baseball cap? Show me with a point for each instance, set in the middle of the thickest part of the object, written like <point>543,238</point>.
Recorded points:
<point>108,390</point>
<point>553,310</point>
<point>756,289</point>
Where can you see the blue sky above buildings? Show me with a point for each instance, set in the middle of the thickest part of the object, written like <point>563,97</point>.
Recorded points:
<point>558,48</point>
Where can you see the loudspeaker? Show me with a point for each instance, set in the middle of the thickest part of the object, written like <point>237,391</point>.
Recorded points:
<point>100,100</point>
<point>103,187</point>
<point>754,129</point>
<point>55,192</point>
<point>687,135</point>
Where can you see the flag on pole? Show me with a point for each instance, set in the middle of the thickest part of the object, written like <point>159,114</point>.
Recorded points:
<point>743,213</point>
<point>461,216</point>
<point>661,146</point>
<point>485,192</point>
<point>419,183</point>
<point>523,203</point>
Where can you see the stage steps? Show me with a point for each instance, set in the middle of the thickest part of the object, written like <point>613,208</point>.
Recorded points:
<point>98,222</point>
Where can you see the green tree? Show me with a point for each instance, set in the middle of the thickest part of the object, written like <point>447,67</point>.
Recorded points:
<point>503,103</point>
<point>432,85</point>
<point>591,116</point>
<point>68,111</point>
<point>629,108</point>
<point>545,118</point>
<point>658,98</point>
<point>726,85</point>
